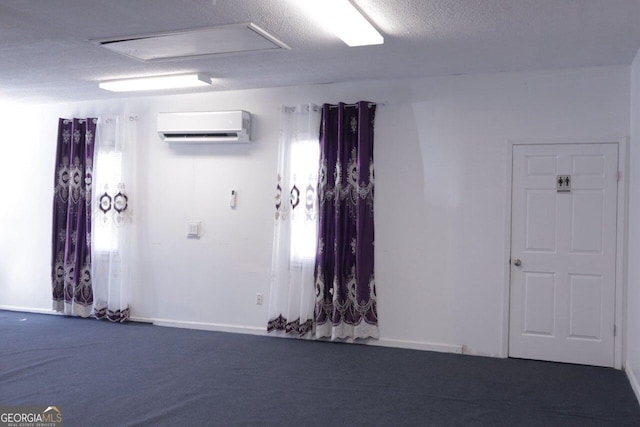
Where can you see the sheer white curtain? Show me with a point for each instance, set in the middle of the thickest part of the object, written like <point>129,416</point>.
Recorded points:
<point>112,217</point>
<point>292,295</point>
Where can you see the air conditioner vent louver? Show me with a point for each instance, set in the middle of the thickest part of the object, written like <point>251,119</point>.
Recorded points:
<point>204,135</point>
<point>205,127</point>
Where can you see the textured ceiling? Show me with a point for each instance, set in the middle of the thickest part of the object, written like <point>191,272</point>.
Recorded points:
<point>46,53</point>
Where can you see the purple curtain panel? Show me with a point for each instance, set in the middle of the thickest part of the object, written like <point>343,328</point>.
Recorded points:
<point>71,234</point>
<point>344,271</point>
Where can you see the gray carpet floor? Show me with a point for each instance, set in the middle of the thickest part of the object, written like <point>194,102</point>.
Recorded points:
<point>103,374</point>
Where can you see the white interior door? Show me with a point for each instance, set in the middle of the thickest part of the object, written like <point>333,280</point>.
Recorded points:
<point>563,253</point>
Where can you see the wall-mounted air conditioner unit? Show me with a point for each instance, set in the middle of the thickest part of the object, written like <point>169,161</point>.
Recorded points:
<point>205,127</point>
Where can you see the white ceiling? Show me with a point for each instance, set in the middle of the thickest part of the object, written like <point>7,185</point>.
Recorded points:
<point>46,54</point>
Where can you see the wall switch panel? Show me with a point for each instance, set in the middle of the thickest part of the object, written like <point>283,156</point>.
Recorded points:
<point>194,229</point>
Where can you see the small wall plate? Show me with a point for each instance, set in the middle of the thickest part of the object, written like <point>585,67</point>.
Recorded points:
<point>194,229</point>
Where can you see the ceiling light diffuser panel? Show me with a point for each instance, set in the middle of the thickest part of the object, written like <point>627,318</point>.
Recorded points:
<point>179,81</point>
<point>222,39</point>
<point>342,19</point>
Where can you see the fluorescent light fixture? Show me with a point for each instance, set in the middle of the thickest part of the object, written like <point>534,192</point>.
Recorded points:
<point>344,20</point>
<point>178,81</point>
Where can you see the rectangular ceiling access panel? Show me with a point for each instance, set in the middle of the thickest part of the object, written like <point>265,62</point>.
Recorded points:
<point>223,39</point>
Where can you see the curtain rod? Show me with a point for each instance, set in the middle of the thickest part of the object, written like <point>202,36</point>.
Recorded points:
<point>380,104</point>
<point>315,107</point>
<point>109,119</point>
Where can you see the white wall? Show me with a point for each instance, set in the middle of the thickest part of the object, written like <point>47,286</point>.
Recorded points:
<point>441,164</point>
<point>26,190</point>
<point>633,277</point>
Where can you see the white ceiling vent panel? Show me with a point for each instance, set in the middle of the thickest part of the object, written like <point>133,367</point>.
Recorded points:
<point>223,39</point>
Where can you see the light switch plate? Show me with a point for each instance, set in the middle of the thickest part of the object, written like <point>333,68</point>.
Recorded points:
<point>194,229</point>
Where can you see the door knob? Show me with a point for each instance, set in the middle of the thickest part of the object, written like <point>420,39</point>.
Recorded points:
<point>517,262</point>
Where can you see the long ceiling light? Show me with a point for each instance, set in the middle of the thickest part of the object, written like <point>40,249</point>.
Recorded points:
<point>344,20</point>
<point>178,81</point>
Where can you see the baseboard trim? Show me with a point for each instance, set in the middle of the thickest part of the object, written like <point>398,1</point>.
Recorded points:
<point>28,309</point>
<point>418,345</point>
<point>635,384</point>
<point>252,330</point>
<point>203,326</point>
